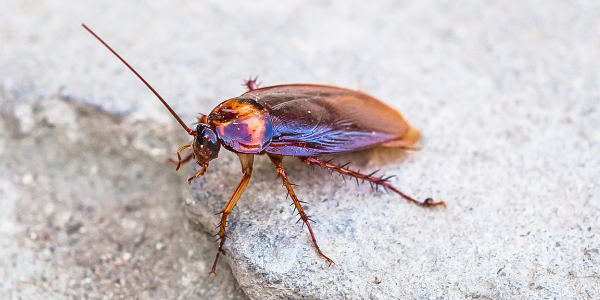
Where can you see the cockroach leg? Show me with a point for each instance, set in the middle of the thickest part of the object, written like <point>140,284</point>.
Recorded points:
<point>246,160</point>
<point>252,84</point>
<point>200,173</point>
<point>187,158</point>
<point>376,180</point>
<point>277,159</point>
<point>184,161</point>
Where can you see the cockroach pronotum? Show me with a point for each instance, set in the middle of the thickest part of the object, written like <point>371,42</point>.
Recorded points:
<point>305,121</point>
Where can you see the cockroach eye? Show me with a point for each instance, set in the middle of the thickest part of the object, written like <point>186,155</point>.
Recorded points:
<point>206,143</point>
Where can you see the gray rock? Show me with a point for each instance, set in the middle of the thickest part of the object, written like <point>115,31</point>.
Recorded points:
<point>85,213</point>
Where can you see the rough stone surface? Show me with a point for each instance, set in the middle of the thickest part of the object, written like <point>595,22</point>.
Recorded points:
<point>85,214</point>
<point>507,97</point>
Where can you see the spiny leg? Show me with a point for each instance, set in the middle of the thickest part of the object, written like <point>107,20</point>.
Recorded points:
<point>246,160</point>
<point>276,159</point>
<point>376,180</point>
<point>252,84</point>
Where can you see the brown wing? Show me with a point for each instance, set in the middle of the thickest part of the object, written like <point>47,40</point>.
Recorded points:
<point>313,120</point>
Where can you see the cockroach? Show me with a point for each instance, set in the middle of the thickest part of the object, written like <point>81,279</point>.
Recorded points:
<point>305,121</point>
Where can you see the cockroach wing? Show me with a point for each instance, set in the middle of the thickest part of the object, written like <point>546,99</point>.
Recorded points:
<point>314,120</point>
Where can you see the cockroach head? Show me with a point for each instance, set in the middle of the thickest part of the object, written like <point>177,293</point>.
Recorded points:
<point>206,145</point>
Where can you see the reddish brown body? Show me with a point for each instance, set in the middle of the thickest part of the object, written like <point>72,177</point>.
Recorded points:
<point>301,120</point>
<point>307,120</point>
